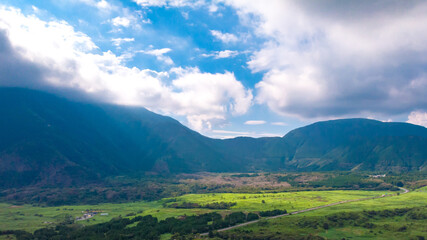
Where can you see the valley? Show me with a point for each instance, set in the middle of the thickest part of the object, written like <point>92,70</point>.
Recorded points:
<point>74,170</point>
<point>213,119</point>
<point>314,204</point>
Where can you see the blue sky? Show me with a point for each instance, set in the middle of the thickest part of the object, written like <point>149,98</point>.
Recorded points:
<point>226,67</point>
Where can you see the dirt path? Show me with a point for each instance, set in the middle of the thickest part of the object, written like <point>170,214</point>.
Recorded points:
<point>306,210</point>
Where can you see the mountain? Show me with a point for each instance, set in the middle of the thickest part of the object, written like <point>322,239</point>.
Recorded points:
<point>49,140</point>
<point>357,144</point>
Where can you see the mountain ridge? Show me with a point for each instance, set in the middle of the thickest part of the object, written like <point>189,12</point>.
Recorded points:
<point>47,140</point>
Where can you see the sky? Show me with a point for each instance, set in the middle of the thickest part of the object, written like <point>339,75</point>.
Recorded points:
<point>225,68</point>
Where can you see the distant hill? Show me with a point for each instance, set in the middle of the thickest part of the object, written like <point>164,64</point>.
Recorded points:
<point>49,140</point>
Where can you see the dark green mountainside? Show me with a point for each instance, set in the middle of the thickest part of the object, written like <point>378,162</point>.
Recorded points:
<point>358,144</point>
<point>48,140</point>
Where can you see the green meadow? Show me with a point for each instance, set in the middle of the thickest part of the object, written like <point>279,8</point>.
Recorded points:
<point>288,200</point>
<point>31,218</point>
<point>380,226</point>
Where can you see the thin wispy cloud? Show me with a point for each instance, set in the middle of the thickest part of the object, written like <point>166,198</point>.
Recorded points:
<point>118,41</point>
<point>160,54</point>
<point>222,54</point>
<point>279,124</point>
<point>255,122</point>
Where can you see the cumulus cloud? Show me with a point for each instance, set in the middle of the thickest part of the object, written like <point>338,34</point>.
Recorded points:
<point>58,56</point>
<point>337,58</point>
<point>160,55</point>
<point>210,95</point>
<point>222,54</point>
<point>418,118</point>
<point>255,122</point>
<point>224,37</point>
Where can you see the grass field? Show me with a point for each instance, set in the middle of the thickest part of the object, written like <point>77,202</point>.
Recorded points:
<point>384,228</point>
<point>289,200</point>
<point>30,218</point>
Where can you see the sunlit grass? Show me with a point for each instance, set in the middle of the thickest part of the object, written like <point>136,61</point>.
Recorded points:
<point>288,200</point>
<point>385,227</point>
<point>28,217</point>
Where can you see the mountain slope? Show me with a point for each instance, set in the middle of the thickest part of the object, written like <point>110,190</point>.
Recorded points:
<point>49,140</point>
<point>357,144</point>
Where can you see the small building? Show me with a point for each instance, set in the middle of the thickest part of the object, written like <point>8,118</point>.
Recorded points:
<point>377,176</point>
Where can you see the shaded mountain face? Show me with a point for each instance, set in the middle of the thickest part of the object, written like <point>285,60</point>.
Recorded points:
<point>48,140</point>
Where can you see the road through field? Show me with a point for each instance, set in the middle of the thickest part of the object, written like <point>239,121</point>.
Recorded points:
<point>305,210</point>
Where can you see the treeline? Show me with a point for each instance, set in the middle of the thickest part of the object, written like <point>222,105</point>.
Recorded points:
<point>272,213</point>
<point>343,181</point>
<point>215,205</point>
<point>363,219</point>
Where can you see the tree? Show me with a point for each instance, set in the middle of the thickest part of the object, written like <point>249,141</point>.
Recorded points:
<point>325,226</point>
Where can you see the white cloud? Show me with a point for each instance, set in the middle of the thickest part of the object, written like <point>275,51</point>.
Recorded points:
<point>35,9</point>
<point>222,54</point>
<point>225,134</point>
<point>160,55</point>
<point>224,37</point>
<point>125,17</point>
<point>101,5</point>
<point>279,124</point>
<point>230,132</point>
<point>210,95</point>
<point>418,118</point>
<point>338,58</point>
<point>118,41</point>
<point>121,21</point>
<point>226,54</point>
<point>255,122</point>
<point>185,15</point>
<point>213,8</point>
<point>170,3</point>
<point>65,58</point>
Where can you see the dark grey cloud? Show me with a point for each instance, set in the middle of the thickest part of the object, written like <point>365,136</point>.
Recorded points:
<point>339,58</point>
<point>18,71</point>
